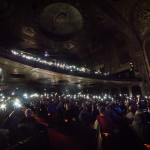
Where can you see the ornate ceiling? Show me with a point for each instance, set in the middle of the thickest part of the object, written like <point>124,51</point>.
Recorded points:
<point>83,30</point>
<point>60,21</point>
<point>25,16</point>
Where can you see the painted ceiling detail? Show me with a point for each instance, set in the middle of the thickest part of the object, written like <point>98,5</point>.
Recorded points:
<point>61,21</point>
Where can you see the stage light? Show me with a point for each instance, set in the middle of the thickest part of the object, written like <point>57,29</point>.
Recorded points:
<point>3,106</point>
<point>12,93</point>
<point>17,103</point>
<point>25,95</point>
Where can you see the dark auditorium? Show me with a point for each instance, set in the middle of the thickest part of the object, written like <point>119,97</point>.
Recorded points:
<point>74,74</point>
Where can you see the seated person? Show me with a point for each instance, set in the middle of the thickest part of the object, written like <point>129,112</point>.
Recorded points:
<point>28,117</point>
<point>141,128</point>
<point>105,123</point>
<point>12,123</point>
<point>4,138</point>
<point>28,125</point>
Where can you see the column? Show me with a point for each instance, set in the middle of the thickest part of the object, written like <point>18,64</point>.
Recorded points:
<point>130,91</point>
<point>143,92</point>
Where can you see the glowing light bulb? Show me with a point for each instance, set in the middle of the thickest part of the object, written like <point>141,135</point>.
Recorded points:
<point>3,106</point>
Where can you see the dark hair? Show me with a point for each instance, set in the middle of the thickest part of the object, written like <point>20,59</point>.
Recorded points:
<point>102,110</point>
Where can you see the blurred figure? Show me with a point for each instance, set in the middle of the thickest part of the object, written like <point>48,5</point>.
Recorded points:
<point>13,122</point>
<point>130,115</point>
<point>51,108</point>
<point>147,115</point>
<point>148,108</point>
<point>84,116</point>
<point>138,112</point>
<point>59,114</point>
<point>28,117</point>
<point>105,124</point>
<point>28,125</point>
<point>141,128</point>
<point>24,108</point>
<point>68,114</point>
<point>4,139</point>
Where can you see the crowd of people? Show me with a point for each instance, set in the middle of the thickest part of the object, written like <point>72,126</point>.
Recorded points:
<point>123,124</point>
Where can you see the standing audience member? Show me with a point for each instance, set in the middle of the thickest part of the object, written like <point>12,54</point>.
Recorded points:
<point>105,123</point>
<point>84,116</point>
<point>130,115</point>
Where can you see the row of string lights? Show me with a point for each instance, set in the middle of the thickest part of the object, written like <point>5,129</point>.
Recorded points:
<point>71,68</point>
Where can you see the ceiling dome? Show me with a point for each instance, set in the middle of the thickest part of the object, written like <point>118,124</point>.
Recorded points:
<point>60,21</point>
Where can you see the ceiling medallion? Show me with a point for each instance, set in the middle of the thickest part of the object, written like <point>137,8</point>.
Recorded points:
<point>61,18</point>
<point>60,21</point>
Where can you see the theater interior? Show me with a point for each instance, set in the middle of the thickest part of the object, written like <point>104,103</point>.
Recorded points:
<point>75,74</point>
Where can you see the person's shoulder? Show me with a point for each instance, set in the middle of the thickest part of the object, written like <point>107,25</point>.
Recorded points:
<point>99,117</point>
<point>129,114</point>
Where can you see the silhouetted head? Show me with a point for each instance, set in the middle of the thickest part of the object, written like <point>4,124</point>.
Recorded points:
<point>130,108</point>
<point>28,113</point>
<point>102,110</point>
<point>138,112</point>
